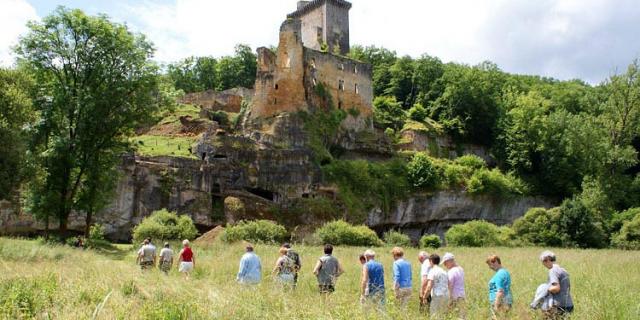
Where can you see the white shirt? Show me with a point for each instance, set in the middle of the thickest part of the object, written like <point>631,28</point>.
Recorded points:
<point>425,268</point>
<point>166,254</point>
<point>440,282</point>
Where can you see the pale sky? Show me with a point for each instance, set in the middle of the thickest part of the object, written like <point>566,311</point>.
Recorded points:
<point>564,39</point>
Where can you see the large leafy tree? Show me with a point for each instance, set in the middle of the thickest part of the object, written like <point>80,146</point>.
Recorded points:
<point>95,84</point>
<point>237,70</point>
<point>16,117</point>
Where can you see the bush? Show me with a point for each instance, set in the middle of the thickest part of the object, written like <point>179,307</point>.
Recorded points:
<point>471,161</point>
<point>619,218</point>
<point>494,182</point>
<point>539,226</point>
<point>477,233</point>
<point>421,172</point>
<point>580,225</point>
<point>430,241</point>
<point>395,238</point>
<point>342,233</point>
<point>165,225</point>
<point>96,237</point>
<point>629,235</point>
<point>264,231</point>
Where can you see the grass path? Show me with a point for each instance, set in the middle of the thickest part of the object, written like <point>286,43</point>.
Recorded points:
<point>38,281</point>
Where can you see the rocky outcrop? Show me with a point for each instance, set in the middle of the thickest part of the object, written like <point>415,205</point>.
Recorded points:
<point>228,100</point>
<point>436,213</point>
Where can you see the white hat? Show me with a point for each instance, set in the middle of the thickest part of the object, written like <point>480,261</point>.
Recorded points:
<point>447,256</point>
<point>369,253</point>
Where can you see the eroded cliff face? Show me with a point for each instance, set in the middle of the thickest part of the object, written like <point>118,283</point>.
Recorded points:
<point>436,213</point>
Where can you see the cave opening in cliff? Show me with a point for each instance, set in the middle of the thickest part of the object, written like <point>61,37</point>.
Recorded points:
<point>266,194</point>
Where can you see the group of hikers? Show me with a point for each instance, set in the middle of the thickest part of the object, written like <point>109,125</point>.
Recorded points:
<point>147,258</point>
<point>441,292</point>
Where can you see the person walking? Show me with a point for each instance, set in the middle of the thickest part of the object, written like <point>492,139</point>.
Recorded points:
<point>373,280</point>
<point>559,287</point>
<point>499,288</point>
<point>401,277</point>
<point>284,269</point>
<point>437,288</point>
<point>166,258</point>
<point>425,267</point>
<point>293,255</point>
<point>186,259</point>
<point>327,271</point>
<point>146,255</point>
<point>250,270</point>
<point>456,285</point>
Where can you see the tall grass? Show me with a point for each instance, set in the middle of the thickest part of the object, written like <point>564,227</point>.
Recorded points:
<point>64,283</point>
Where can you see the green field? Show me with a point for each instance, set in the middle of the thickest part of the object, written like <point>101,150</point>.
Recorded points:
<point>148,145</point>
<point>55,282</point>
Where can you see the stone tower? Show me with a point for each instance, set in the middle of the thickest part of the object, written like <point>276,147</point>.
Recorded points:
<point>325,24</point>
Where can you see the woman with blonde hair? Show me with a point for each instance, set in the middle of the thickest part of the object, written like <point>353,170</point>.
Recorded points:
<point>186,260</point>
<point>284,269</point>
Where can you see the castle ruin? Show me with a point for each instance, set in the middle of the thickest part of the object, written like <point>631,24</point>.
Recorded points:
<point>311,61</point>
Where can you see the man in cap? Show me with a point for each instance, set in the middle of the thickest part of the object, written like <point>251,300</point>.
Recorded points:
<point>425,267</point>
<point>146,255</point>
<point>166,258</point>
<point>327,270</point>
<point>456,285</point>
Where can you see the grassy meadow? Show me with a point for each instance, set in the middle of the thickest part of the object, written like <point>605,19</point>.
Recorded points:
<point>56,282</point>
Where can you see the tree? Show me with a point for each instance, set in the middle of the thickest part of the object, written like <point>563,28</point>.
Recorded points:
<point>16,115</point>
<point>388,113</point>
<point>237,70</point>
<point>401,84</point>
<point>95,84</point>
<point>469,107</point>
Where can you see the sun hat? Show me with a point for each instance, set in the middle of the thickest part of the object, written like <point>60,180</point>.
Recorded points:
<point>447,256</point>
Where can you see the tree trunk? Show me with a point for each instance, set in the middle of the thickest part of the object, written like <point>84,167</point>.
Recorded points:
<point>87,223</point>
<point>46,227</point>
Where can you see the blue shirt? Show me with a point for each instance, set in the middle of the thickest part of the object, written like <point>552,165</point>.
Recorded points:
<point>250,268</point>
<point>402,273</point>
<point>500,280</point>
<point>375,272</point>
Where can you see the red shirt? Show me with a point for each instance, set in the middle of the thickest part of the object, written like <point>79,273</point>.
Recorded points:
<point>187,254</point>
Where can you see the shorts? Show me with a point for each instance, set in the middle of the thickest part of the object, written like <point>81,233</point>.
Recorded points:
<point>165,266</point>
<point>186,266</point>
<point>327,288</point>
<point>146,265</point>
<point>285,278</point>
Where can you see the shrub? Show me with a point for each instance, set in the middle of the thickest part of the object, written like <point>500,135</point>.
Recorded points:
<point>165,225</point>
<point>477,233</point>
<point>96,237</point>
<point>255,231</point>
<point>220,117</point>
<point>454,176</point>
<point>494,182</point>
<point>395,238</point>
<point>417,112</point>
<point>580,226</point>
<point>629,235</point>
<point>430,241</point>
<point>619,218</point>
<point>471,161</point>
<point>539,226</point>
<point>421,172</point>
<point>342,233</point>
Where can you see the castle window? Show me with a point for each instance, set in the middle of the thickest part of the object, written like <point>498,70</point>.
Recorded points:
<point>288,63</point>
<point>340,105</point>
<point>356,88</point>
<point>355,69</point>
<point>275,101</point>
<point>341,85</point>
<point>319,34</point>
<point>314,81</point>
<point>313,63</point>
<point>277,87</point>
<point>341,66</point>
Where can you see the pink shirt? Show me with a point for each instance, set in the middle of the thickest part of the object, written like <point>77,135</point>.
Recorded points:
<point>456,280</point>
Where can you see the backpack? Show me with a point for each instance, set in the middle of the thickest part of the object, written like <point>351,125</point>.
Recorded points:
<point>287,265</point>
<point>295,258</point>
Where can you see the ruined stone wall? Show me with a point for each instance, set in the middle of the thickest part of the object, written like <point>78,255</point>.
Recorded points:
<point>312,28</point>
<point>341,76</point>
<point>279,82</point>
<point>337,25</point>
